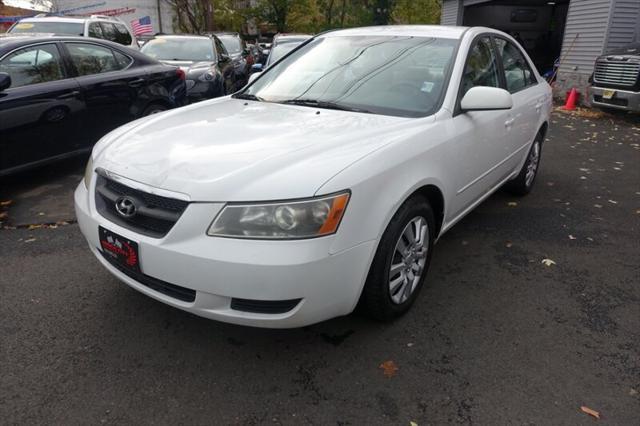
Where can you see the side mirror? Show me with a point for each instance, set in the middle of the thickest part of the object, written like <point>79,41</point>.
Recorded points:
<point>256,68</point>
<point>5,81</point>
<point>253,76</point>
<point>483,98</point>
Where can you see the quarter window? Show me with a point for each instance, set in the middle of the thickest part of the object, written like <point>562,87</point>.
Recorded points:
<point>93,59</point>
<point>517,72</point>
<point>481,68</point>
<point>32,65</point>
<point>123,36</point>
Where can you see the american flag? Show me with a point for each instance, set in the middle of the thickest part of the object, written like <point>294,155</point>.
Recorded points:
<point>141,26</point>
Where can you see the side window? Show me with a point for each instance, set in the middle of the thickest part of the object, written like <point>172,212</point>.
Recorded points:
<point>481,68</point>
<point>95,30</point>
<point>123,36</point>
<point>93,59</point>
<point>517,71</point>
<point>109,31</point>
<point>32,65</point>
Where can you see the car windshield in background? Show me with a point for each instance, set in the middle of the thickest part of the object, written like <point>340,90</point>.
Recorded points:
<point>391,75</point>
<point>282,49</point>
<point>61,28</point>
<point>231,43</point>
<point>179,49</point>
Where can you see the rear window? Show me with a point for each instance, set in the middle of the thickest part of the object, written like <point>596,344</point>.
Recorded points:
<point>62,28</point>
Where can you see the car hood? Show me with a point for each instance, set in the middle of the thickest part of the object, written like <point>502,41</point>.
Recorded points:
<point>233,150</point>
<point>190,66</point>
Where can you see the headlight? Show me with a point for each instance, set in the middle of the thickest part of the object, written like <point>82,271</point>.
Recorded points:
<point>88,173</point>
<point>207,76</point>
<point>283,220</point>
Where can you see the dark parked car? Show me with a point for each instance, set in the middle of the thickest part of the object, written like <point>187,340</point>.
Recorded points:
<point>615,82</point>
<point>208,67</point>
<point>59,95</point>
<point>240,55</point>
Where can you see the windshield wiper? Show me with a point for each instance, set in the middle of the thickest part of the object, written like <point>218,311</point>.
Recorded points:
<point>247,96</point>
<point>324,104</point>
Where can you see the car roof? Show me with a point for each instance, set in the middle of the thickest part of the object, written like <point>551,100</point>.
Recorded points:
<point>10,41</point>
<point>70,19</point>
<point>206,37</point>
<point>441,31</point>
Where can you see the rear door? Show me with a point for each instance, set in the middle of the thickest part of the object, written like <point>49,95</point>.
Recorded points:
<point>528,98</point>
<point>110,85</point>
<point>481,148</point>
<point>40,113</point>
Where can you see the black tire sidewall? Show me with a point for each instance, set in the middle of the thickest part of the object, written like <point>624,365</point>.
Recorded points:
<point>376,297</point>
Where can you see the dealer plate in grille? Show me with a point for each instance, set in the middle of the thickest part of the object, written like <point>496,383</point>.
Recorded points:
<point>154,215</point>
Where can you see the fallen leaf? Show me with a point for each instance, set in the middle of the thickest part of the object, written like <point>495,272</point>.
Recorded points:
<point>3,215</point>
<point>632,392</point>
<point>512,204</point>
<point>597,206</point>
<point>413,424</point>
<point>508,244</point>
<point>35,226</point>
<point>409,345</point>
<point>389,368</point>
<point>571,237</point>
<point>548,262</point>
<point>30,240</point>
<point>6,203</point>
<point>590,412</point>
<point>612,201</point>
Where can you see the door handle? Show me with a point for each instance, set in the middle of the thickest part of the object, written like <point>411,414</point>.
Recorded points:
<point>70,95</point>
<point>137,82</point>
<point>509,122</point>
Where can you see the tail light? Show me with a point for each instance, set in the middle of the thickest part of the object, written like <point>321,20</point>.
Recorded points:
<point>181,74</point>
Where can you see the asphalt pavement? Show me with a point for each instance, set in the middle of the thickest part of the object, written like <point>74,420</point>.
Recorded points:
<point>531,311</point>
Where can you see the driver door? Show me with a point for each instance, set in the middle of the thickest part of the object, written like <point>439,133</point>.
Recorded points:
<point>482,145</point>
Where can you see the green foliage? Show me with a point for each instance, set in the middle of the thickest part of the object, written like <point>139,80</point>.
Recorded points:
<point>416,12</point>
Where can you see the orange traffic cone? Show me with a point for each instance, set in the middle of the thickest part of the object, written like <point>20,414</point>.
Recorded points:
<point>570,105</point>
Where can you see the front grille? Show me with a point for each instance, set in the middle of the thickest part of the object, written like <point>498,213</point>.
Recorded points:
<point>171,290</point>
<point>155,215</point>
<point>264,306</point>
<point>612,101</point>
<point>619,73</point>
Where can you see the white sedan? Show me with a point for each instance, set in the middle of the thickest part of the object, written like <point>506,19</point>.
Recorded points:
<point>324,183</point>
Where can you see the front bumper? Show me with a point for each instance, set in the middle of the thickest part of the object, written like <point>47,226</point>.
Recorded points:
<point>622,99</point>
<point>222,271</point>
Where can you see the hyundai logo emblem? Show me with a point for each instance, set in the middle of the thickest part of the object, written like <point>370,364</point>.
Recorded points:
<point>126,207</point>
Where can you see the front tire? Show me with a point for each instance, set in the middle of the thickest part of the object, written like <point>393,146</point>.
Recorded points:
<point>523,183</point>
<point>401,262</point>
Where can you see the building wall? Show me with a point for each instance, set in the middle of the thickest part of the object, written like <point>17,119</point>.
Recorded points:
<point>451,12</point>
<point>126,10</point>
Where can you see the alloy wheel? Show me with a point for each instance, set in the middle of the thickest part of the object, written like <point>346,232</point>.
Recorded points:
<point>409,258</point>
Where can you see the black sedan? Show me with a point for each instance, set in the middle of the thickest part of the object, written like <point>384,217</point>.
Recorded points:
<point>204,59</point>
<point>59,95</point>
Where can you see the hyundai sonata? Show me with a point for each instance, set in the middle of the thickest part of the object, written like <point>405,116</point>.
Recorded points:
<point>324,183</point>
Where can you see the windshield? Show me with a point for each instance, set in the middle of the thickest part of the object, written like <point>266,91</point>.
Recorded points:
<point>231,43</point>
<point>280,50</point>
<point>392,75</point>
<point>179,49</point>
<point>64,28</point>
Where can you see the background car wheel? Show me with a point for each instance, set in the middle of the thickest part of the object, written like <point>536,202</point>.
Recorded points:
<point>523,183</point>
<point>401,262</point>
<point>153,109</point>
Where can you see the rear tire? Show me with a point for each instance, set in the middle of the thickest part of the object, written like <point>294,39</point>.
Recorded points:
<point>401,261</point>
<point>523,183</point>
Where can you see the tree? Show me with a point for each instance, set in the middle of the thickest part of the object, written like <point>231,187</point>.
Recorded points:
<point>193,16</point>
<point>416,12</point>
